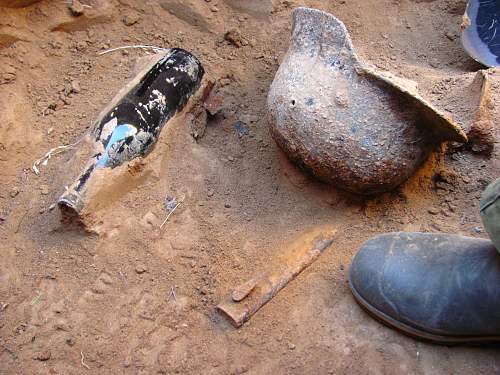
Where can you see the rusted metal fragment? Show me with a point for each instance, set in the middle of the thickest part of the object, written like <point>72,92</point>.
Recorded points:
<point>444,125</point>
<point>246,299</point>
<point>482,133</point>
<point>242,291</point>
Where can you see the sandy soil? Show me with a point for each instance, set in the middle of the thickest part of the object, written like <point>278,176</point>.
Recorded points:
<point>78,303</point>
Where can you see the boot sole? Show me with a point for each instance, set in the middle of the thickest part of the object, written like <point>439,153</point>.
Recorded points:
<point>414,332</point>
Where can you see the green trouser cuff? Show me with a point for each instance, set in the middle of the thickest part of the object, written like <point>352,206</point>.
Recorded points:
<point>490,211</point>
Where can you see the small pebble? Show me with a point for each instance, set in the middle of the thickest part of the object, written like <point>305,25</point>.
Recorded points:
<point>450,35</point>
<point>75,87</point>
<point>70,340</point>
<point>44,355</point>
<point>44,189</point>
<point>76,8</point>
<point>434,63</point>
<point>140,268</point>
<point>14,192</point>
<point>433,211</point>
<point>224,82</point>
<point>131,19</point>
<point>234,37</point>
<point>227,205</point>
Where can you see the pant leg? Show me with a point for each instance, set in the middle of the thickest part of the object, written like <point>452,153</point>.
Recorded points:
<point>490,211</point>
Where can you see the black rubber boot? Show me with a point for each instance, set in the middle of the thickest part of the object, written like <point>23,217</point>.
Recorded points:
<point>490,211</point>
<point>436,287</point>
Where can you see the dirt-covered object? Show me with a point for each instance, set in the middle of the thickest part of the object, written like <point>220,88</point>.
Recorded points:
<point>482,132</point>
<point>130,125</point>
<point>348,124</point>
<point>247,298</point>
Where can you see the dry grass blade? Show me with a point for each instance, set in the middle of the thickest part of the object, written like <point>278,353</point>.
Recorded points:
<point>172,294</point>
<point>170,213</point>
<point>153,48</point>
<point>83,363</point>
<point>54,151</point>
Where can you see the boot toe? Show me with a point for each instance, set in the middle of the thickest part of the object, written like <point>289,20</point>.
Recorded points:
<point>434,286</point>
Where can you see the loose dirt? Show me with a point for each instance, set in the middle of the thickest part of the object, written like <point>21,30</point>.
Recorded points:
<point>135,299</point>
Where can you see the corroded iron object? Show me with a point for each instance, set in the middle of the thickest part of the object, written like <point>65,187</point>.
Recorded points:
<point>130,125</point>
<point>247,298</point>
<point>481,31</point>
<point>348,124</point>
